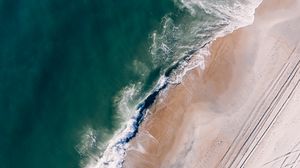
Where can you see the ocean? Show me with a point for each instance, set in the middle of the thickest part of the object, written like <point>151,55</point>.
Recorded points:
<point>78,77</point>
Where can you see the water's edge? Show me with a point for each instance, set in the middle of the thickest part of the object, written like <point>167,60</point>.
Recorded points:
<point>115,152</point>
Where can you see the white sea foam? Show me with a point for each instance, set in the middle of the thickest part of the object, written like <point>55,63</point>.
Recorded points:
<point>231,14</point>
<point>196,60</point>
<point>90,145</point>
<point>140,68</point>
<point>125,101</point>
<point>115,151</point>
<point>101,153</point>
<point>171,45</point>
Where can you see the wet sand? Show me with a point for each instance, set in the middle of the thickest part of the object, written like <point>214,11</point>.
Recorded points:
<point>237,112</point>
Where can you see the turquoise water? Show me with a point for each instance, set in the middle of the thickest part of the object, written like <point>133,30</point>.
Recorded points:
<point>74,72</point>
<point>62,63</point>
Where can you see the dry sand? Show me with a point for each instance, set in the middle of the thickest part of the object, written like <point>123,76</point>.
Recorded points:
<point>243,110</point>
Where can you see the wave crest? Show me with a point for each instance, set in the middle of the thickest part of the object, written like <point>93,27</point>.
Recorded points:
<point>181,44</point>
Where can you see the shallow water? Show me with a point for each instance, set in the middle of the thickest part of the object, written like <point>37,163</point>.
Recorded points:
<point>62,63</point>
<point>72,73</point>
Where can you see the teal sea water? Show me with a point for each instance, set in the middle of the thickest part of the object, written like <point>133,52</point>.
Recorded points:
<point>62,63</point>
<point>76,74</point>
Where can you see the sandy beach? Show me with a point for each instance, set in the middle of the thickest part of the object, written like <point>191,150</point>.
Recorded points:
<point>241,111</point>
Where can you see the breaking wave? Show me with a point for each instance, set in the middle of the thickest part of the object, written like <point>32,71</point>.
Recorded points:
<point>181,44</point>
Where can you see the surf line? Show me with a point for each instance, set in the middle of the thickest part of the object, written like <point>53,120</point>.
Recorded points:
<point>150,99</point>
<point>142,110</point>
<point>116,150</point>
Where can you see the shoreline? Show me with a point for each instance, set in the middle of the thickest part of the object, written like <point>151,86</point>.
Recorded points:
<point>185,121</point>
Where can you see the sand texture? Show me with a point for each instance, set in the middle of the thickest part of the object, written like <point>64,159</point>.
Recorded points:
<point>243,110</point>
